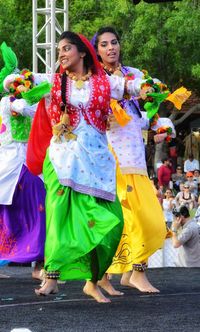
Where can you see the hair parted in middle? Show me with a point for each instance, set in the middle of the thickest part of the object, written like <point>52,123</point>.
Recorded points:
<point>99,33</point>
<point>76,40</point>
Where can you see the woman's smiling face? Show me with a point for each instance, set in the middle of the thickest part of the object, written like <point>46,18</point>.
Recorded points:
<point>68,55</point>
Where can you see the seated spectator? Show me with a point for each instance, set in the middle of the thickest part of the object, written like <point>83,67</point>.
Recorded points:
<point>191,164</point>
<point>178,178</point>
<point>196,175</point>
<point>181,186</point>
<point>191,183</point>
<point>185,198</point>
<point>168,205</point>
<point>164,174</point>
<point>185,237</point>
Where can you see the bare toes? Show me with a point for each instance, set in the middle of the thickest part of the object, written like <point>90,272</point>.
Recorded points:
<point>39,293</point>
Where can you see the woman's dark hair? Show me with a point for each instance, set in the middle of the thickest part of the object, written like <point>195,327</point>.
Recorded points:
<point>74,39</point>
<point>100,32</point>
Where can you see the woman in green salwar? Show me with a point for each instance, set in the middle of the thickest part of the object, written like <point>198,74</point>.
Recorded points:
<point>68,144</point>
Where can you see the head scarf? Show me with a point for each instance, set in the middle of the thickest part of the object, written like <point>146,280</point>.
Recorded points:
<point>93,40</point>
<point>39,139</point>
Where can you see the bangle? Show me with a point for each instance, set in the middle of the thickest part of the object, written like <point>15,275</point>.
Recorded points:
<point>174,230</point>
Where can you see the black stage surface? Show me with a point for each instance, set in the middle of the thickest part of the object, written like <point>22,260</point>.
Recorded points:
<point>176,308</point>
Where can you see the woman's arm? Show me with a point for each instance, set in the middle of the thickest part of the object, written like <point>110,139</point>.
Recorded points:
<point>119,86</point>
<point>20,106</point>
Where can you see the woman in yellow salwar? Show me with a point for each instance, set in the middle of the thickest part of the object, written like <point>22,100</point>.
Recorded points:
<point>144,226</point>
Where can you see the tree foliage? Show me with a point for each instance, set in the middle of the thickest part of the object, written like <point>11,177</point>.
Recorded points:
<point>16,29</point>
<point>162,38</point>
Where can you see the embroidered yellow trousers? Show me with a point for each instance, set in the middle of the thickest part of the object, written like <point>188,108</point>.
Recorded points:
<point>144,225</point>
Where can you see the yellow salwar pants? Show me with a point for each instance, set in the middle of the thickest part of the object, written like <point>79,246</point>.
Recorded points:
<point>144,225</point>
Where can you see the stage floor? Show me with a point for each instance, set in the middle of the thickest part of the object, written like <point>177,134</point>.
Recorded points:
<point>175,308</point>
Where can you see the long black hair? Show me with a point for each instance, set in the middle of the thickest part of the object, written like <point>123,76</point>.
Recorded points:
<point>99,33</point>
<point>74,39</point>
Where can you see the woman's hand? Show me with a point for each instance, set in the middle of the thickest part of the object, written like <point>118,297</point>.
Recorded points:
<point>158,138</point>
<point>17,106</point>
<point>144,91</point>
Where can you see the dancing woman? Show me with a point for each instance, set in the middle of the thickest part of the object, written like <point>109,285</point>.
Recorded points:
<point>144,227</point>
<point>22,199</point>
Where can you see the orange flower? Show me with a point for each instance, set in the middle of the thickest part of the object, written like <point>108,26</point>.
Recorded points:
<point>27,84</point>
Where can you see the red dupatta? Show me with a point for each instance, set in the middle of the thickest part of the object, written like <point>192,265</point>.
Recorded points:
<point>39,139</point>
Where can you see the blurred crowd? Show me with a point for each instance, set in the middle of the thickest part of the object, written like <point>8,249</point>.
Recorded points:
<point>178,187</point>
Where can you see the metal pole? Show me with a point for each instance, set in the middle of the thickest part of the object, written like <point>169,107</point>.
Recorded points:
<point>48,35</point>
<point>66,15</point>
<point>53,36</point>
<point>45,49</point>
<point>34,36</point>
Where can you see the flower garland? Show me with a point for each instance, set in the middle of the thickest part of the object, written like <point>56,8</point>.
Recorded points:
<point>167,130</point>
<point>22,83</point>
<point>155,92</point>
<point>156,85</point>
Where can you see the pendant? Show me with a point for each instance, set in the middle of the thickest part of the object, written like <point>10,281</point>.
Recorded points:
<point>118,73</point>
<point>79,84</point>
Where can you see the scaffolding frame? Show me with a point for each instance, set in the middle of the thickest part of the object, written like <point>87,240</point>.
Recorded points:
<point>47,33</point>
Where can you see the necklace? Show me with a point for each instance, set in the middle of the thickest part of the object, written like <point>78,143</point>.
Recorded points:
<point>111,70</point>
<point>79,81</point>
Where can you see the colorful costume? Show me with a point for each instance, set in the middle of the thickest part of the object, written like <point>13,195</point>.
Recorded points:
<point>144,226</point>
<point>22,199</point>
<point>83,215</point>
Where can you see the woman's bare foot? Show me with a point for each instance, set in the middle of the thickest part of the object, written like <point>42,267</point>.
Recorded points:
<point>139,280</point>
<point>93,290</point>
<point>125,279</point>
<point>38,274</point>
<point>49,287</point>
<point>107,286</point>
